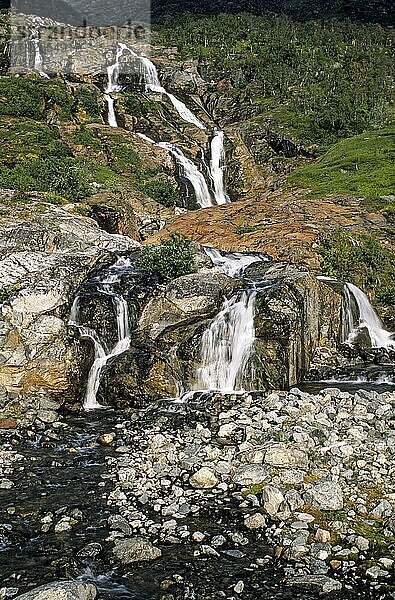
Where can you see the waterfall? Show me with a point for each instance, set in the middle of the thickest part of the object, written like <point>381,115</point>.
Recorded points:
<point>152,83</point>
<point>113,86</point>
<point>233,264</point>
<point>189,171</point>
<point>227,345</point>
<point>38,57</point>
<point>217,166</point>
<point>104,286</point>
<point>367,318</point>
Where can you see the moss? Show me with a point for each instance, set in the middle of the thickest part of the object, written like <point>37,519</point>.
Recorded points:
<point>243,229</point>
<point>88,101</point>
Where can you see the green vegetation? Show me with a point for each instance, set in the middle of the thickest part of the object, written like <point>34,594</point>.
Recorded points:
<point>374,10</point>
<point>137,106</point>
<point>88,101</point>
<point>32,97</point>
<point>170,259</point>
<point>86,137</point>
<point>316,81</point>
<point>29,139</point>
<point>163,191</point>
<point>66,177</point>
<point>362,260</point>
<point>361,166</point>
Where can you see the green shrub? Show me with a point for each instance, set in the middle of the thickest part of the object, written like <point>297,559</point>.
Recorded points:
<point>125,159</point>
<point>137,106</point>
<point>86,137</point>
<point>386,296</point>
<point>30,97</point>
<point>64,177</point>
<point>163,191</point>
<point>170,259</point>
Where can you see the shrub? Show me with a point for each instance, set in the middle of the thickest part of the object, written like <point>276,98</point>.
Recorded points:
<point>138,107</point>
<point>29,97</point>
<point>163,191</point>
<point>170,259</point>
<point>65,177</point>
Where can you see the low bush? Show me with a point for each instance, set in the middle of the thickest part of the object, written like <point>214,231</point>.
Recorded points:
<point>64,177</point>
<point>170,259</point>
<point>163,191</point>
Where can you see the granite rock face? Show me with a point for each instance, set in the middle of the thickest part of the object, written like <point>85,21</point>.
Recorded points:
<point>45,254</point>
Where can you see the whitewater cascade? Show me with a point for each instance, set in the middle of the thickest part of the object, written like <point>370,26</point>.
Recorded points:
<point>217,167</point>
<point>228,343</point>
<point>38,57</point>
<point>102,357</point>
<point>367,318</point>
<point>189,171</point>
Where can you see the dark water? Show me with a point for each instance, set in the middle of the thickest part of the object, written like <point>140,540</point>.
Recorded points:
<point>51,478</point>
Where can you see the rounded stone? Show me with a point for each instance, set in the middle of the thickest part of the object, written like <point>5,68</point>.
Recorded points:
<point>203,479</point>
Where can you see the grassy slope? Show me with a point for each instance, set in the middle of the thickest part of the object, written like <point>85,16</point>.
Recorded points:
<point>361,166</point>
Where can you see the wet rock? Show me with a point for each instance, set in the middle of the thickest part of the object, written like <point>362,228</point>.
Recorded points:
<point>325,495</point>
<point>106,439</point>
<point>203,479</point>
<point>135,550</point>
<point>320,583</point>
<point>63,590</point>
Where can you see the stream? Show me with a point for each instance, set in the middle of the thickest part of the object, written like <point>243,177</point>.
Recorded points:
<point>64,474</point>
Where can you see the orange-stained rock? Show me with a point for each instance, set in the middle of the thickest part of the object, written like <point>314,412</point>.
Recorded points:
<point>285,225</point>
<point>8,424</point>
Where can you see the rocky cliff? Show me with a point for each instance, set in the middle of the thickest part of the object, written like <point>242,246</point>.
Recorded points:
<point>46,252</point>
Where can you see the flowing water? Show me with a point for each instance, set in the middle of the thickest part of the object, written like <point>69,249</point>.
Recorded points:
<point>228,343</point>
<point>191,173</point>
<point>367,318</point>
<point>188,169</point>
<point>217,167</point>
<point>104,285</point>
<point>38,57</point>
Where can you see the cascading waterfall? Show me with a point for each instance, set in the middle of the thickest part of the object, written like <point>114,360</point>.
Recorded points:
<point>189,170</point>
<point>38,57</point>
<point>102,357</point>
<point>228,343</point>
<point>368,318</point>
<point>217,167</point>
<point>113,86</point>
<point>233,264</point>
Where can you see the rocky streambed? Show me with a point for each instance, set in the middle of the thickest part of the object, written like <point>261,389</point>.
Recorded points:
<point>281,495</point>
